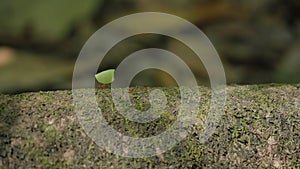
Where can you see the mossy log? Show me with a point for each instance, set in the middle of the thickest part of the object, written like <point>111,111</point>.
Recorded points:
<point>259,129</point>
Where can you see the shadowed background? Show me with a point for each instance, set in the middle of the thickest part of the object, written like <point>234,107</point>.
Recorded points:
<point>258,41</point>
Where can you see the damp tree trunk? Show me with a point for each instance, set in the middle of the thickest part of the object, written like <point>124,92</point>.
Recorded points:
<point>260,128</point>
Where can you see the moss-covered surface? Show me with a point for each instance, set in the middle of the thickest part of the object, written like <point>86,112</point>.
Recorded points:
<point>260,128</point>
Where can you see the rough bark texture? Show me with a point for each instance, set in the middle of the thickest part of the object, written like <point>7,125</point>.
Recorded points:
<point>260,128</point>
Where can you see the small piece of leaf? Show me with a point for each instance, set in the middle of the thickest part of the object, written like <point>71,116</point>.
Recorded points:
<point>105,77</point>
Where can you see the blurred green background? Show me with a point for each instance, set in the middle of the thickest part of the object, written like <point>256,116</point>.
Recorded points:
<point>258,41</point>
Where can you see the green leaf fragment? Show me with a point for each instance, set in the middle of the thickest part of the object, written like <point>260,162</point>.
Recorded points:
<point>105,77</point>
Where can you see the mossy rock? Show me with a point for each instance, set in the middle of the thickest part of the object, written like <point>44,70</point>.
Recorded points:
<point>260,129</point>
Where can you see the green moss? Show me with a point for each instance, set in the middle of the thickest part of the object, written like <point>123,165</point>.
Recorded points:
<point>260,129</point>
<point>52,134</point>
